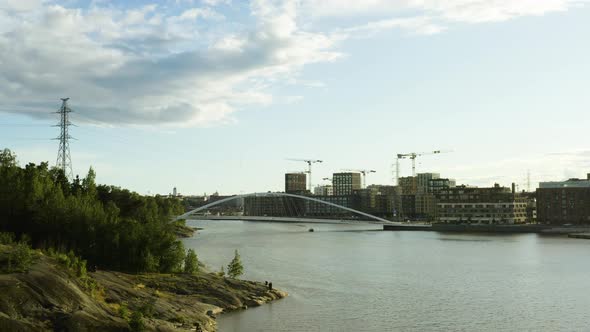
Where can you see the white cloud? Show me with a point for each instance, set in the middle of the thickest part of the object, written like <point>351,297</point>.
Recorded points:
<point>215,2</point>
<point>155,64</point>
<point>194,13</point>
<point>387,14</point>
<point>142,66</point>
<point>456,10</point>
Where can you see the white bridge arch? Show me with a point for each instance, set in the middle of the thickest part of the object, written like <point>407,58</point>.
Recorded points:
<point>279,194</point>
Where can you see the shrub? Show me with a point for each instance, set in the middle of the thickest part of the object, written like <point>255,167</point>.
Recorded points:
<point>80,268</point>
<point>191,263</point>
<point>235,267</point>
<point>124,311</point>
<point>136,321</point>
<point>6,238</point>
<point>19,258</point>
<point>148,309</point>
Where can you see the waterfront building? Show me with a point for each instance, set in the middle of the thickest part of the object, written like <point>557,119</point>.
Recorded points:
<point>423,181</point>
<point>408,206</point>
<point>295,183</point>
<point>272,206</point>
<point>323,190</point>
<point>565,202</point>
<point>435,185</point>
<point>386,202</point>
<point>346,183</point>
<point>367,199</point>
<point>425,206</point>
<point>317,209</point>
<point>408,185</point>
<point>493,205</point>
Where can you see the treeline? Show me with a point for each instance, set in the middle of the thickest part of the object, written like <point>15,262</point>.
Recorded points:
<point>108,226</point>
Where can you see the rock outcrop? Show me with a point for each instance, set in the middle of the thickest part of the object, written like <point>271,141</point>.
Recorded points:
<point>49,297</point>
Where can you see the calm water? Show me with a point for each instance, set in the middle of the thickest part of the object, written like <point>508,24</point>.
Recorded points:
<point>355,278</point>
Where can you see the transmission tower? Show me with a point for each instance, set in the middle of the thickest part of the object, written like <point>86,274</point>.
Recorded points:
<point>64,161</point>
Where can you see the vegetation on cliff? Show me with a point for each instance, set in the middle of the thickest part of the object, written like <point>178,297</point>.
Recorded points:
<point>54,292</point>
<point>108,226</point>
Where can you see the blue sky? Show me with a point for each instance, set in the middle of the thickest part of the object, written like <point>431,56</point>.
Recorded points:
<point>215,95</point>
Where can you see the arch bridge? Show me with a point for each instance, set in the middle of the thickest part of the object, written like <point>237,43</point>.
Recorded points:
<point>280,194</point>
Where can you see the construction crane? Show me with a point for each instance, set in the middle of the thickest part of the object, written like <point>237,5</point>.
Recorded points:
<point>363,172</point>
<point>412,156</point>
<point>309,163</point>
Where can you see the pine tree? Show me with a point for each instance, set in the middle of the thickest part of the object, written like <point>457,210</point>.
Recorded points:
<point>235,267</point>
<point>191,263</point>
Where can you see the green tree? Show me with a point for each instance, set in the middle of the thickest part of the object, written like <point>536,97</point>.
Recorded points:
<point>89,184</point>
<point>235,267</point>
<point>7,158</point>
<point>109,227</point>
<point>191,263</point>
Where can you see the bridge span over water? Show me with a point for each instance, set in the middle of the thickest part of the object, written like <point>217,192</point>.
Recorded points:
<point>280,194</point>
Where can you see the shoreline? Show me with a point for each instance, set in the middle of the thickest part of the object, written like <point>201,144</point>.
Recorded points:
<point>493,229</point>
<point>48,296</point>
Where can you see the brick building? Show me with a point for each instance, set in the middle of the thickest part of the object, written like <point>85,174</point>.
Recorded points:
<point>566,202</point>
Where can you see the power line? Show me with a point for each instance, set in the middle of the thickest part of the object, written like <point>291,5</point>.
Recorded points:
<point>64,160</point>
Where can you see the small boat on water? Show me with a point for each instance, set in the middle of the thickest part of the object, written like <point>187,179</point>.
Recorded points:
<point>310,230</point>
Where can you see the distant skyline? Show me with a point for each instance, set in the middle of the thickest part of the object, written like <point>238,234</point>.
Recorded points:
<point>216,95</point>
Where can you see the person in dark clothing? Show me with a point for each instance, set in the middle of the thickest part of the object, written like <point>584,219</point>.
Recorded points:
<point>265,283</point>
<point>270,286</point>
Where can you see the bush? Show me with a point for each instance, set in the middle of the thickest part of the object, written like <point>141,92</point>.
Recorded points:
<point>81,268</point>
<point>123,311</point>
<point>235,267</point>
<point>19,258</point>
<point>148,309</point>
<point>6,238</point>
<point>136,321</point>
<point>191,263</point>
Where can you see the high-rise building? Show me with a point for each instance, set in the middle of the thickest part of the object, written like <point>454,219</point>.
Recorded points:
<point>435,185</point>
<point>324,190</point>
<point>386,201</point>
<point>295,183</point>
<point>565,202</point>
<point>408,185</point>
<point>423,180</point>
<point>346,183</point>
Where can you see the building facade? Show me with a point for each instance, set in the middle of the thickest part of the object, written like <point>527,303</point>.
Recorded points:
<point>423,181</point>
<point>317,209</point>
<point>493,205</point>
<point>295,183</point>
<point>436,185</point>
<point>346,183</point>
<point>408,185</point>
<point>566,202</point>
<point>323,190</point>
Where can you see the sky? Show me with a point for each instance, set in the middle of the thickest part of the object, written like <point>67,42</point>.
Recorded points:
<point>216,95</point>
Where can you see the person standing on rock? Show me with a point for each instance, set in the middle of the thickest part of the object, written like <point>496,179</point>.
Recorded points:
<point>270,286</point>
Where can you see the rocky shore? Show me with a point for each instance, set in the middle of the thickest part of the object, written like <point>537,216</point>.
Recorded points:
<point>49,297</point>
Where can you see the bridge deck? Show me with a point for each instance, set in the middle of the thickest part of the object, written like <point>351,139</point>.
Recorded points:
<point>286,219</point>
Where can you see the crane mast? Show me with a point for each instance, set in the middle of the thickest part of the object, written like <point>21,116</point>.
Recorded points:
<point>309,163</point>
<point>363,172</point>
